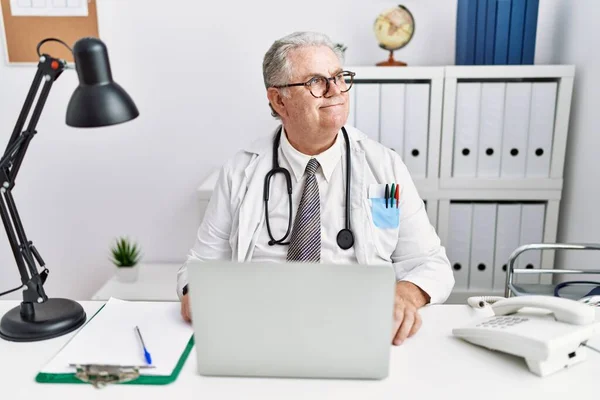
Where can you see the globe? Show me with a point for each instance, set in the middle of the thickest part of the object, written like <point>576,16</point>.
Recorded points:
<point>394,28</point>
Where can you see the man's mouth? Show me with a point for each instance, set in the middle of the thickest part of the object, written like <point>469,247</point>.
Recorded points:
<point>331,105</point>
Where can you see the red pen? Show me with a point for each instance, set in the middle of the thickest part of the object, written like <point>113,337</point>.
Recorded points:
<point>397,195</point>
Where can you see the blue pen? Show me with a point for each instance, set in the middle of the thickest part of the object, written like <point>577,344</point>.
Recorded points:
<point>146,354</point>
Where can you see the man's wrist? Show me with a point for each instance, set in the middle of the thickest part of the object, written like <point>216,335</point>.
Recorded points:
<point>412,293</point>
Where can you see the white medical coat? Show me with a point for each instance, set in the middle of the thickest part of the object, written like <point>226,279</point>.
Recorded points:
<point>235,216</point>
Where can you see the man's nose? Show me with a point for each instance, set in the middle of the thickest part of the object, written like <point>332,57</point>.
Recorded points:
<point>334,89</point>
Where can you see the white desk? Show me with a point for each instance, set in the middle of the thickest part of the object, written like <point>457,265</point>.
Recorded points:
<point>431,365</point>
<point>156,282</point>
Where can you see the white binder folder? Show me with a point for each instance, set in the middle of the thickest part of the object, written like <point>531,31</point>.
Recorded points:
<point>416,128</point>
<point>508,232</point>
<point>532,231</point>
<point>392,116</point>
<point>352,106</point>
<point>482,247</point>
<point>459,242</point>
<point>466,130</point>
<point>541,128</point>
<point>490,129</point>
<point>367,109</point>
<point>516,126</point>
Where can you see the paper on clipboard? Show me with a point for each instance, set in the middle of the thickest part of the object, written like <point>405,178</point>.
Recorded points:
<point>109,338</point>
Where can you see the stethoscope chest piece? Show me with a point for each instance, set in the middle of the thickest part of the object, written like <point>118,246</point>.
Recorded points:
<point>345,239</point>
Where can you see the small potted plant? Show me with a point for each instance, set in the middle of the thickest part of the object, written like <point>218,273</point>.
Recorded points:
<point>125,256</point>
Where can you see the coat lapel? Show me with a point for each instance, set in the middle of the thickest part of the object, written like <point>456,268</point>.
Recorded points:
<point>359,216</point>
<point>251,214</point>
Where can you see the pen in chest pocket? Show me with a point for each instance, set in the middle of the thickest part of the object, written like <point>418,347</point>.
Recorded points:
<point>392,195</point>
<point>397,195</point>
<point>387,194</point>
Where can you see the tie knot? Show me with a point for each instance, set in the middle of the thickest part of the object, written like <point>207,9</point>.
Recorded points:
<point>312,166</point>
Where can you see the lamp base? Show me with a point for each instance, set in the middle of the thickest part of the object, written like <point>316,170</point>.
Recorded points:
<point>50,319</point>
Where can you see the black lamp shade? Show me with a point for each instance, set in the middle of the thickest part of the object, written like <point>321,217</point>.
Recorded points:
<point>98,100</point>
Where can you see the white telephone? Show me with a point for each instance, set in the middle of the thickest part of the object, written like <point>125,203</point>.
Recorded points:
<point>548,339</point>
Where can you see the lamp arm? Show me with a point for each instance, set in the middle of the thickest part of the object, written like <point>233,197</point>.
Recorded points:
<point>50,75</point>
<point>33,89</point>
<point>25,253</point>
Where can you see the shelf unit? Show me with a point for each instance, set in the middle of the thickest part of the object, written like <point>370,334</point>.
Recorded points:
<point>545,189</point>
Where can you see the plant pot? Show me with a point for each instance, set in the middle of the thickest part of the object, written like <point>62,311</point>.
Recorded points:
<point>127,274</point>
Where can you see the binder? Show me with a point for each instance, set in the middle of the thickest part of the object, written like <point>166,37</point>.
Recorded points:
<point>541,129</point>
<point>465,32</point>
<point>108,342</point>
<point>515,38</point>
<point>490,129</point>
<point>516,126</point>
<point>466,130</point>
<point>490,31</point>
<point>480,39</point>
<point>508,231</point>
<point>367,109</point>
<point>416,128</point>
<point>352,106</point>
<point>392,116</point>
<point>530,31</point>
<point>532,231</point>
<point>482,248</point>
<point>459,242</point>
<point>502,32</point>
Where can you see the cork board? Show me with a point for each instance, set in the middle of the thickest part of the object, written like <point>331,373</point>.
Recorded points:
<point>23,33</point>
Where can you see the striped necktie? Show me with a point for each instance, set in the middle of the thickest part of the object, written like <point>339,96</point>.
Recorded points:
<point>305,243</point>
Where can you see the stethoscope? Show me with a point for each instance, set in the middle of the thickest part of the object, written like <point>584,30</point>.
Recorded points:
<point>345,237</point>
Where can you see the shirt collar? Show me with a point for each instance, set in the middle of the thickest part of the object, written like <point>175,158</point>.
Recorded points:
<point>298,161</point>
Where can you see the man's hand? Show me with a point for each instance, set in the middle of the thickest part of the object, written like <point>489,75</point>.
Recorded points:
<point>185,308</point>
<point>407,321</point>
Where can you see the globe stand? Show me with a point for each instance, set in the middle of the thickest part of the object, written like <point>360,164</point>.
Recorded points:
<point>391,62</point>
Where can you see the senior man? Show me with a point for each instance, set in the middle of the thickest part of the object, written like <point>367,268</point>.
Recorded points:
<point>307,89</point>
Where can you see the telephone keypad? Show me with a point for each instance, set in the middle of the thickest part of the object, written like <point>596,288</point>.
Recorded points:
<point>502,322</point>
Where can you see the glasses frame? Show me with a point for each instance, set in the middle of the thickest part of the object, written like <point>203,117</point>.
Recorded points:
<point>308,83</point>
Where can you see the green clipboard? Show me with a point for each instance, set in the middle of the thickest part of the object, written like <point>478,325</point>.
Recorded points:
<point>43,377</point>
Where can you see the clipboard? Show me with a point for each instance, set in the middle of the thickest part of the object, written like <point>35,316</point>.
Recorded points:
<point>113,318</point>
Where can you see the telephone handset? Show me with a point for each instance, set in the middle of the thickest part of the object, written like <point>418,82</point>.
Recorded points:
<point>547,331</point>
<point>564,310</point>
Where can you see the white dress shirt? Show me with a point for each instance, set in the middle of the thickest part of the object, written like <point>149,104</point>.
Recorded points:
<point>331,179</point>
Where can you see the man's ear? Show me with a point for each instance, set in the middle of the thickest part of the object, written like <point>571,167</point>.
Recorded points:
<point>276,100</point>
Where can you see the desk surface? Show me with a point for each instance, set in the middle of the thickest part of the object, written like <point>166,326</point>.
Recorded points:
<point>432,365</point>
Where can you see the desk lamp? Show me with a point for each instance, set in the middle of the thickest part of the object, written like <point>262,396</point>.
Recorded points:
<point>97,101</point>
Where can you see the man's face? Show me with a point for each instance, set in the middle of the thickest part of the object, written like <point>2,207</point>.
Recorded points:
<point>303,110</point>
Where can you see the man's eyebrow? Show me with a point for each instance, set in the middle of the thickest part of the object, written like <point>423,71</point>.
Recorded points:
<point>313,74</point>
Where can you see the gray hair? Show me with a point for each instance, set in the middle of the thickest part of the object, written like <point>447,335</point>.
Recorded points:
<point>276,67</point>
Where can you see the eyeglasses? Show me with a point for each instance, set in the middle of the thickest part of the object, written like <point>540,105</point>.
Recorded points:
<point>319,85</point>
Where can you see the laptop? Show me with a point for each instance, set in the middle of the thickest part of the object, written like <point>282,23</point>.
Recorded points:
<point>293,320</point>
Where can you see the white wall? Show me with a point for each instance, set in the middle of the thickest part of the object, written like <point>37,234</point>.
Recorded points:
<point>194,70</point>
<point>580,220</point>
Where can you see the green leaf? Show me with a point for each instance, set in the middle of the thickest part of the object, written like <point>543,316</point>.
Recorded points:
<point>125,253</point>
